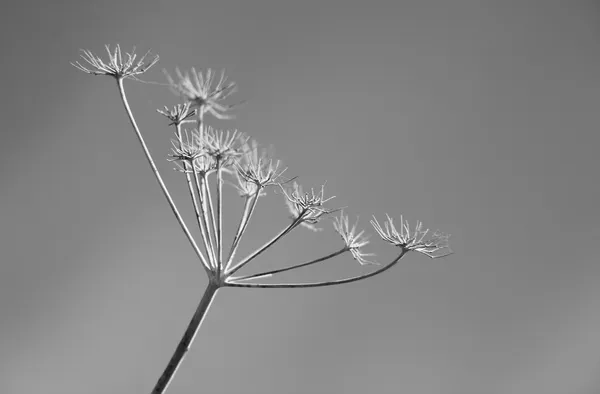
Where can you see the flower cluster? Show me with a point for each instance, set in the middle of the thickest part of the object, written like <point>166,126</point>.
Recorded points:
<point>255,171</point>
<point>354,242</point>
<point>118,66</point>
<point>204,148</point>
<point>307,208</point>
<point>415,240</point>
<point>181,113</point>
<point>198,90</point>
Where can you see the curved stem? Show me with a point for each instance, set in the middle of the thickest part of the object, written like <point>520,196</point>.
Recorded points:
<point>273,272</point>
<point>186,341</point>
<point>157,174</point>
<point>316,284</point>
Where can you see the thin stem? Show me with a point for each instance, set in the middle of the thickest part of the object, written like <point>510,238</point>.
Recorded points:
<point>190,183</point>
<point>206,195</point>
<point>200,185</point>
<point>199,208</point>
<point>315,284</point>
<point>273,272</point>
<point>157,174</point>
<point>247,214</point>
<point>258,251</point>
<point>219,217</point>
<point>188,338</point>
<point>211,210</point>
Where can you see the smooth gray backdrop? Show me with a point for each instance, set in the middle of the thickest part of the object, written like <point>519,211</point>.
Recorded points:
<point>477,117</point>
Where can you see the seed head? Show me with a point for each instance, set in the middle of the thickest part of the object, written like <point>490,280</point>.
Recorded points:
<point>354,242</point>
<point>223,146</point>
<point>180,114</point>
<point>256,170</point>
<point>416,239</point>
<point>187,147</point>
<point>200,92</point>
<point>307,207</point>
<point>117,66</point>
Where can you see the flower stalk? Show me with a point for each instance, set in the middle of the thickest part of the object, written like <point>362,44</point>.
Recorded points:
<point>188,338</point>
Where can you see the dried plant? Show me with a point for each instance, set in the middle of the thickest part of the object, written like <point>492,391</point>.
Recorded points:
<point>208,157</point>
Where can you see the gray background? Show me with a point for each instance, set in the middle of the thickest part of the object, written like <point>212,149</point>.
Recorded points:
<point>477,117</point>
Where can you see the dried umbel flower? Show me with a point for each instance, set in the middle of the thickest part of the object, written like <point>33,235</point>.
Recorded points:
<point>198,89</point>
<point>207,157</point>
<point>307,208</point>
<point>415,240</point>
<point>223,146</point>
<point>187,149</point>
<point>256,171</point>
<point>180,114</point>
<point>117,66</point>
<point>354,241</point>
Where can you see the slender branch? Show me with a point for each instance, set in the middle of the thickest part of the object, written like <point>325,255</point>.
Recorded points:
<point>205,229</point>
<point>188,338</point>
<point>219,217</point>
<point>246,215</point>
<point>157,174</point>
<point>190,183</point>
<point>273,272</point>
<point>210,208</point>
<point>258,251</point>
<point>315,284</point>
<point>200,186</point>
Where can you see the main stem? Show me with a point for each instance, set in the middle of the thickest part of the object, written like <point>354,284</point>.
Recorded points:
<point>186,341</point>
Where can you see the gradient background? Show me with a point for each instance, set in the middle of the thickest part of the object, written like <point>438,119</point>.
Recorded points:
<point>477,117</point>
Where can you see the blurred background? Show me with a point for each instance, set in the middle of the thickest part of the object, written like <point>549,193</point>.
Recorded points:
<point>479,118</point>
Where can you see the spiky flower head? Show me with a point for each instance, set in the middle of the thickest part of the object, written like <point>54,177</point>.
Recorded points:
<point>198,89</point>
<point>416,239</point>
<point>255,171</point>
<point>118,66</point>
<point>187,148</point>
<point>223,146</point>
<point>308,208</point>
<point>354,242</point>
<point>180,114</point>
